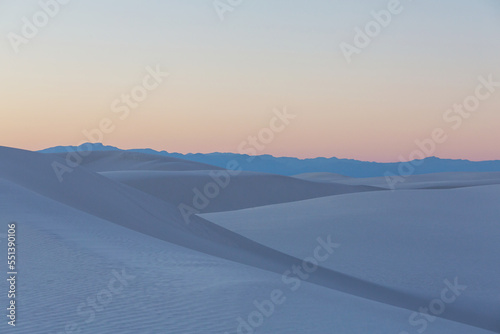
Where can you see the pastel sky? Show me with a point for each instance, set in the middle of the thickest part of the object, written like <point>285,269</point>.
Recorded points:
<point>227,76</point>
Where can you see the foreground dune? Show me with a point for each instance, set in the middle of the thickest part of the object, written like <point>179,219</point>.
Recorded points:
<point>438,235</point>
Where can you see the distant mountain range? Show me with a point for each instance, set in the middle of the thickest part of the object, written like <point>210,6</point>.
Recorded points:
<point>294,166</point>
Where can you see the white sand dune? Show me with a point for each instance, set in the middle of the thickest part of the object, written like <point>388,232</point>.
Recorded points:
<point>424,181</point>
<point>438,234</point>
<point>244,190</point>
<point>78,231</point>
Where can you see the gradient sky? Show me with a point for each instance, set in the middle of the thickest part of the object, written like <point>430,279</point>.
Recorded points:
<point>226,77</point>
